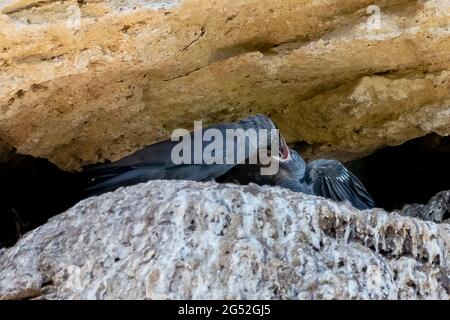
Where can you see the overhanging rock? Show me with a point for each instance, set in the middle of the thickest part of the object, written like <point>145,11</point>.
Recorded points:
<point>88,81</point>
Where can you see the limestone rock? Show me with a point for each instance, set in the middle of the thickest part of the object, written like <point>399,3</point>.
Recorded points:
<point>436,210</point>
<point>85,81</point>
<point>188,240</point>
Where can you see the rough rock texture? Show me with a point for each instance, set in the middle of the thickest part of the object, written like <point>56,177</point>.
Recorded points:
<point>205,240</point>
<point>436,210</point>
<point>85,81</point>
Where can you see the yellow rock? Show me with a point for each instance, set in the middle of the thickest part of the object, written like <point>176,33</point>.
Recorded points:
<point>89,80</point>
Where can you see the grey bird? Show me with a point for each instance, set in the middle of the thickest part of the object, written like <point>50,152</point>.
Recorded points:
<point>155,162</point>
<point>327,178</point>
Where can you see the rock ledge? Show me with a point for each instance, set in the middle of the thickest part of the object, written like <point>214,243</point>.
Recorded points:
<point>188,240</point>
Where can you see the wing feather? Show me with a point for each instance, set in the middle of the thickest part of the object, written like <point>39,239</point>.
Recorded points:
<point>330,179</point>
<point>155,162</point>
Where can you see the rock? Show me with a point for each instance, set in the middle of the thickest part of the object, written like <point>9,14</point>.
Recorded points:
<point>86,81</point>
<point>436,210</point>
<point>6,152</point>
<point>189,240</point>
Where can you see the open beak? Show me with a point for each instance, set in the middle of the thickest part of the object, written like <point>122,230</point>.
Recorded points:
<point>284,154</point>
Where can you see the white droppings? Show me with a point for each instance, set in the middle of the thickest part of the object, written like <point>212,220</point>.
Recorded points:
<point>131,5</point>
<point>74,18</point>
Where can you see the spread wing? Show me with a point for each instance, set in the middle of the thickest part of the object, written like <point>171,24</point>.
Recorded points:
<point>330,179</point>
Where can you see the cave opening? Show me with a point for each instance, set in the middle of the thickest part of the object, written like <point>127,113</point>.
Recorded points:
<point>34,190</point>
<point>411,173</point>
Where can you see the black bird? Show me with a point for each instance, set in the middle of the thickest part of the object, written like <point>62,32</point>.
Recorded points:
<point>155,161</point>
<point>327,178</point>
<point>34,189</point>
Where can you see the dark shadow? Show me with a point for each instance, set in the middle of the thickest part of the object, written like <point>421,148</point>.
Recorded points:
<point>411,173</point>
<point>32,191</point>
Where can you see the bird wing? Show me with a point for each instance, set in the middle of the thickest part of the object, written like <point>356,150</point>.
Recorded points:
<point>155,161</point>
<point>160,153</point>
<point>330,179</point>
<point>109,182</point>
<point>139,174</point>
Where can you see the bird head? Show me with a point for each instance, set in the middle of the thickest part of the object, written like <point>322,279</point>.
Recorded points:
<point>261,121</point>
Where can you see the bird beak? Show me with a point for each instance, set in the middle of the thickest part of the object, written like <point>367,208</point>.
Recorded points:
<point>284,153</point>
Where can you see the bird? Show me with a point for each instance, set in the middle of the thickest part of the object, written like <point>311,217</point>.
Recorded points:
<point>155,161</point>
<point>327,178</point>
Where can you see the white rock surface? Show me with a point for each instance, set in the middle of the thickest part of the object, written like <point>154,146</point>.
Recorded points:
<point>167,239</point>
